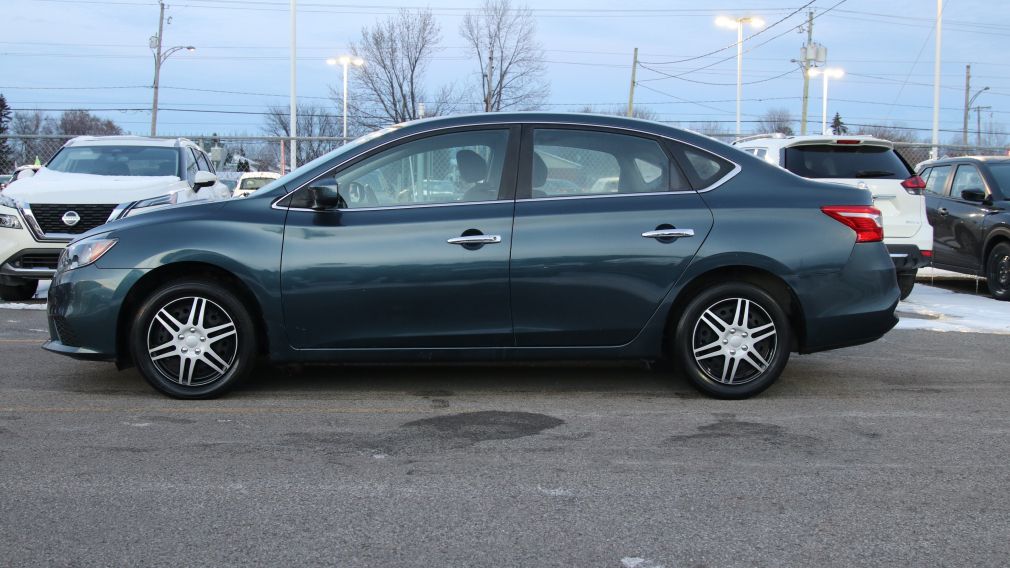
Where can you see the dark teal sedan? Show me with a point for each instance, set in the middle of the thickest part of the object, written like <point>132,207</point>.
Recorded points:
<point>489,237</point>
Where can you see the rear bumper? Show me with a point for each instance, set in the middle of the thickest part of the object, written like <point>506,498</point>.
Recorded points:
<point>907,257</point>
<point>852,306</point>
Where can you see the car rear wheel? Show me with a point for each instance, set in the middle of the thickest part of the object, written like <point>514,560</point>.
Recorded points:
<point>24,290</point>
<point>733,341</point>
<point>906,281</point>
<point>192,339</point>
<point>997,272</point>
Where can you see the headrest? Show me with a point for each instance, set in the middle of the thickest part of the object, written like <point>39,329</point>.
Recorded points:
<point>472,168</point>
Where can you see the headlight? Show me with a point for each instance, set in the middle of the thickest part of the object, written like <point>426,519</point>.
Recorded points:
<point>161,200</point>
<point>83,253</point>
<point>9,221</point>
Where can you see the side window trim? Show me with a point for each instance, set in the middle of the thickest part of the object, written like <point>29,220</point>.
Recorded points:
<point>506,190</point>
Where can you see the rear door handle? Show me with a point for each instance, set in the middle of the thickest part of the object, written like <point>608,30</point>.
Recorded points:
<point>475,240</point>
<point>942,211</point>
<point>668,233</point>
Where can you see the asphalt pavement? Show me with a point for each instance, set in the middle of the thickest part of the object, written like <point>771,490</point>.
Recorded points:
<point>893,453</point>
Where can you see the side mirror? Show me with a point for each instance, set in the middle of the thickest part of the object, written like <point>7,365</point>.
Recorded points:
<point>976,195</point>
<point>203,179</point>
<point>24,174</point>
<point>326,197</point>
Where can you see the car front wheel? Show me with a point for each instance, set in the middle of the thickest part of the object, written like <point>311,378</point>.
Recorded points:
<point>733,340</point>
<point>997,272</point>
<point>20,291</point>
<point>192,339</point>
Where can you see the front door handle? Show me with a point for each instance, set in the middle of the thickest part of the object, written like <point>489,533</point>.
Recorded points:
<point>942,211</point>
<point>475,240</point>
<point>668,233</point>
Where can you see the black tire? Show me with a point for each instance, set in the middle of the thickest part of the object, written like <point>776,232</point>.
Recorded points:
<point>906,281</point>
<point>997,272</point>
<point>19,292</point>
<point>702,347</point>
<point>215,358</point>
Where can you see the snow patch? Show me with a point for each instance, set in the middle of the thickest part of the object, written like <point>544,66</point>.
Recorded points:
<point>15,306</point>
<point>935,309</point>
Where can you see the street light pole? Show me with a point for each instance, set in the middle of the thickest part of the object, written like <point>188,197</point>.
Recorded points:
<point>345,61</point>
<point>738,23</point>
<point>159,58</point>
<point>834,73</point>
<point>967,109</point>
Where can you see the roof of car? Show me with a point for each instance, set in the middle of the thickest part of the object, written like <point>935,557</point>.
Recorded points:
<point>994,159</point>
<point>779,139</point>
<point>129,141</point>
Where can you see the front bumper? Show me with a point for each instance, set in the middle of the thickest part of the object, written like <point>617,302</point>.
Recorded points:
<point>83,311</point>
<point>22,256</point>
<point>908,257</point>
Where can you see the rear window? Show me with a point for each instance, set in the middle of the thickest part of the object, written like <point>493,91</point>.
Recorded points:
<point>834,161</point>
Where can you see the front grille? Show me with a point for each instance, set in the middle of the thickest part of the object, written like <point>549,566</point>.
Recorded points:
<point>37,260</point>
<point>50,217</point>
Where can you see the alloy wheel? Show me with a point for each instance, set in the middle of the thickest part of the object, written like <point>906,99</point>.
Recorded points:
<point>734,341</point>
<point>192,341</point>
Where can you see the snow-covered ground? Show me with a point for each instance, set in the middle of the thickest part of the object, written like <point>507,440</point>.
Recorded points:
<point>929,307</point>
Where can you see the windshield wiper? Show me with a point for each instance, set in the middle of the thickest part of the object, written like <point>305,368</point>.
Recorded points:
<point>872,173</point>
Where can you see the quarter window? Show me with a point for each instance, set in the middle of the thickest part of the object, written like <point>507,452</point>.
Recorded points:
<point>460,166</point>
<point>568,162</point>
<point>702,168</point>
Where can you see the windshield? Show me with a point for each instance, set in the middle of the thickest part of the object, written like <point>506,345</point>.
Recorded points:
<point>325,158</point>
<point>1001,173</point>
<point>254,183</point>
<point>855,161</point>
<point>117,161</point>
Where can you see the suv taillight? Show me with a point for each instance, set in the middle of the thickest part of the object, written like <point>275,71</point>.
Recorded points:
<point>866,221</point>
<point>914,185</point>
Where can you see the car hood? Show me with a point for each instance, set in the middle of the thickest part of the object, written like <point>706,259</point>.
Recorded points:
<point>48,186</point>
<point>166,214</point>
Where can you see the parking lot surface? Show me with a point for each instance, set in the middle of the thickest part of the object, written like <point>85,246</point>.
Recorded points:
<point>893,453</point>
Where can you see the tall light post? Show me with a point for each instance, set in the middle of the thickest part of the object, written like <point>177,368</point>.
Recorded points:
<point>345,61</point>
<point>738,24</point>
<point>834,73</point>
<point>967,109</point>
<point>159,58</point>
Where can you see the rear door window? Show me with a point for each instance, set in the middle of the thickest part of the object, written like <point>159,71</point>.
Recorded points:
<point>846,162</point>
<point>936,179</point>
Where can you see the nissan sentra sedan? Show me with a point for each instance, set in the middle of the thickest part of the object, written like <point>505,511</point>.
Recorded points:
<point>694,252</point>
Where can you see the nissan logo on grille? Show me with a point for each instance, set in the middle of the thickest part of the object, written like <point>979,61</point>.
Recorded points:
<point>71,218</point>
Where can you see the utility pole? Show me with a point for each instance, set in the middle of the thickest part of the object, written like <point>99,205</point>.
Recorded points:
<point>806,63</point>
<point>157,69</point>
<point>978,123</point>
<point>967,92</point>
<point>631,91</point>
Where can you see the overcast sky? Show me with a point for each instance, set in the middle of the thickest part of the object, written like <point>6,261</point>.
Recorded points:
<point>59,54</point>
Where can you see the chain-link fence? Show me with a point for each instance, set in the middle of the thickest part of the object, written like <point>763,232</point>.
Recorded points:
<point>272,153</point>
<point>229,153</point>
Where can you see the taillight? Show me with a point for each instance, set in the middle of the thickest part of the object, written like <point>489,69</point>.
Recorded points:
<point>914,185</point>
<point>866,221</point>
<point>927,253</point>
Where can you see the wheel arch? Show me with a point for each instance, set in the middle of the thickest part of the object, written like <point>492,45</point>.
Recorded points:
<point>187,269</point>
<point>768,281</point>
<point>996,236</point>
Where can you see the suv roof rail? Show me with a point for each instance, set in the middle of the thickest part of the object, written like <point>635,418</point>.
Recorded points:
<point>775,135</point>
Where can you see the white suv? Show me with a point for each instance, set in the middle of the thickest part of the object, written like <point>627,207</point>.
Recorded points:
<point>867,163</point>
<point>90,181</point>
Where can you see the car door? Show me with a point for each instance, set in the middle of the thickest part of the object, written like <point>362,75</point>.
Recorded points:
<point>415,256</point>
<point>591,265</point>
<point>959,222</point>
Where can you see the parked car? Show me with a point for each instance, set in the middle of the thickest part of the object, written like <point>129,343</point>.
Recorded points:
<point>967,201</point>
<point>869,163</point>
<point>21,172</point>
<point>88,182</point>
<point>251,181</point>
<point>4,179</point>
<point>706,255</point>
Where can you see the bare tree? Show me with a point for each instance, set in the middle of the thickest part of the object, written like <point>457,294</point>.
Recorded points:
<point>712,129</point>
<point>776,120</point>
<point>24,126</point>
<point>82,122</point>
<point>503,39</point>
<point>314,121</point>
<point>390,86</point>
<point>643,113</point>
<point>892,132</point>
